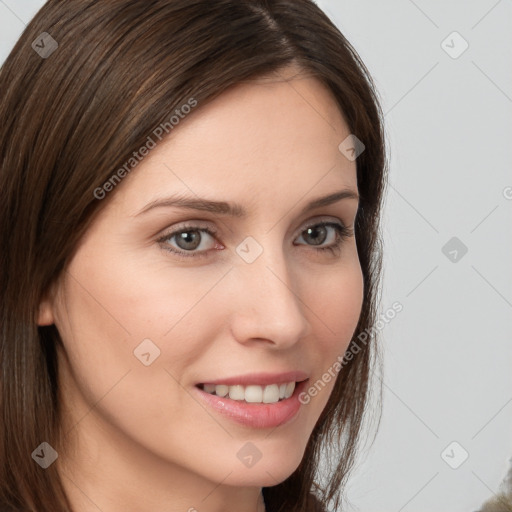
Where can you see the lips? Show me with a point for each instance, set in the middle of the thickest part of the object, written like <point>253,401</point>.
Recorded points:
<point>256,400</point>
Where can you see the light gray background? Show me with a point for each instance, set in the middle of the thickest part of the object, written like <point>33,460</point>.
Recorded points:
<point>448,354</point>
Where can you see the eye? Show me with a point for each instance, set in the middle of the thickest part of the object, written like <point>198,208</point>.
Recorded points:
<point>319,232</point>
<point>188,239</point>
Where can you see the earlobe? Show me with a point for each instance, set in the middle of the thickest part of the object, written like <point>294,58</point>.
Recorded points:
<point>45,315</point>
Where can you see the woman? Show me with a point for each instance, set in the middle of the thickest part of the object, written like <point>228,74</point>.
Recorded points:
<point>172,337</point>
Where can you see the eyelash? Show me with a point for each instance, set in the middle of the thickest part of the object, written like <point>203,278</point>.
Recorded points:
<point>343,232</point>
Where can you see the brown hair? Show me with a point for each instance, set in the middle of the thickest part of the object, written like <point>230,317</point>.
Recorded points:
<point>70,119</point>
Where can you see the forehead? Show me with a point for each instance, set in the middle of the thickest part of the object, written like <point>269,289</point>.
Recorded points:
<point>267,140</point>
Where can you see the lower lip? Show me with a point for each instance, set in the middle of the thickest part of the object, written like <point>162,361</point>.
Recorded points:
<point>256,415</point>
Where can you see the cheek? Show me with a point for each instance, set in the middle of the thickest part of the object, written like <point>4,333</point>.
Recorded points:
<point>126,300</point>
<point>109,311</point>
<point>104,315</point>
<point>336,300</point>
<point>336,303</point>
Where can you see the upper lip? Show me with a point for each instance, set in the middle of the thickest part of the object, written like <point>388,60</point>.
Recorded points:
<point>260,379</point>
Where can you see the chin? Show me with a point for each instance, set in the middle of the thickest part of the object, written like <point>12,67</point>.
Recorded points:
<point>273,467</point>
<point>265,476</point>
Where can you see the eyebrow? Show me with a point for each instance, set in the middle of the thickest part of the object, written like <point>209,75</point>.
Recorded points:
<point>236,210</point>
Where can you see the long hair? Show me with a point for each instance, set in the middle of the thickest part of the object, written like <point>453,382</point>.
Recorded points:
<point>84,86</point>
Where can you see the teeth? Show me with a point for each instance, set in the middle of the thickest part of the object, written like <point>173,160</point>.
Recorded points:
<point>271,394</point>
<point>288,392</point>
<point>236,393</point>
<point>210,388</point>
<point>253,394</point>
<point>221,390</point>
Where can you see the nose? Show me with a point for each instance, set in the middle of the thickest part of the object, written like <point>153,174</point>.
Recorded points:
<point>268,306</point>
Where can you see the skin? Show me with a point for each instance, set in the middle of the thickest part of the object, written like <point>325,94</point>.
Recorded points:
<point>136,438</point>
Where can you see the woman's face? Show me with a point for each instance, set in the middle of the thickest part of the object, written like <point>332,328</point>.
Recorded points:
<point>148,317</point>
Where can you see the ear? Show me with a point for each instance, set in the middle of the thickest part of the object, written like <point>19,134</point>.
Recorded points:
<point>45,314</point>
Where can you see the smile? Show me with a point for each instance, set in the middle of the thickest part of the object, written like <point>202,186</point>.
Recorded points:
<point>269,394</point>
<point>256,400</point>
